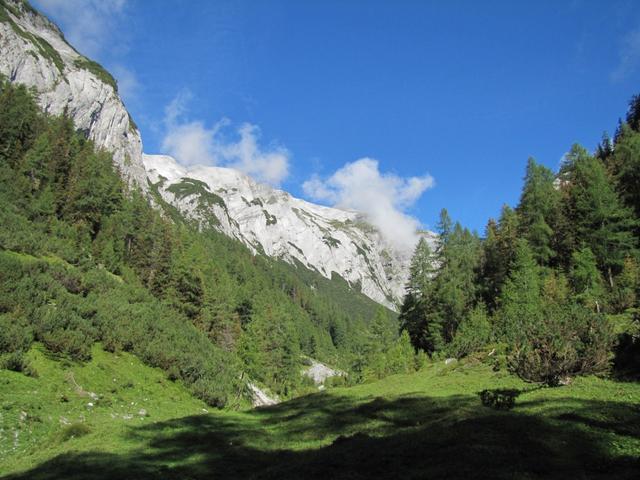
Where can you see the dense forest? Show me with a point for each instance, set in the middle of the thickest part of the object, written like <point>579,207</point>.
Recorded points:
<point>553,287</point>
<point>85,258</point>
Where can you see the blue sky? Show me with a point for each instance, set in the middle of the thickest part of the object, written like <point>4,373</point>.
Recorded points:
<point>450,98</point>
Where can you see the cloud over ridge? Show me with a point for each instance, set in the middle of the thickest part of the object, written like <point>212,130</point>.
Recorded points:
<point>382,197</point>
<point>191,142</point>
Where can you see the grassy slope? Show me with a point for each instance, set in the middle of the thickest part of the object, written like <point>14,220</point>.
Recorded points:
<point>427,425</point>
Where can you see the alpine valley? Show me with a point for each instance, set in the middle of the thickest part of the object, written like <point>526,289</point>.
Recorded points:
<point>161,318</point>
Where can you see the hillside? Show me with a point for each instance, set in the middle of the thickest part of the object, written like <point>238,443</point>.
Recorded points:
<point>35,53</point>
<point>84,258</point>
<point>428,424</point>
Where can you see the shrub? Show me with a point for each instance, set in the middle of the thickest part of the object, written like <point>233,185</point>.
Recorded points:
<point>503,399</point>
<point>570,340</point>
<point>74,430</point>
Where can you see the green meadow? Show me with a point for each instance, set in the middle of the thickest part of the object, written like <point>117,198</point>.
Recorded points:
<point>113,417</point>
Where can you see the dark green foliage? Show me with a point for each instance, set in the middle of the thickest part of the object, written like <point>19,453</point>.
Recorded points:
<point>538,210</point>
<point>441,290</point>
<point>502,399</point>
<point>474,333</point>
<point>499,248</point>
<point>586,279</point>
<point>568,340</point>
<point>598,218</point>
<point>624,165</point>
<point>520,300</point>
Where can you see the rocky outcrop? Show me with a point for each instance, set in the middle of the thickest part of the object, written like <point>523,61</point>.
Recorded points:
<point>34,52</point>
<point>319,372</point>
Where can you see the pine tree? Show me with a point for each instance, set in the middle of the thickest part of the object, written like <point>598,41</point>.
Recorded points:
<point>520,301</point>
<point>625,168</point>
<point>422,268</point>
<point>421,272</point>
<point>538,210</point>
<point>598,217</point>
<point>586,279</point>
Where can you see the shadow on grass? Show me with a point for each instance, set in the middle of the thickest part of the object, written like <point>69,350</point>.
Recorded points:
<point>324,436</point>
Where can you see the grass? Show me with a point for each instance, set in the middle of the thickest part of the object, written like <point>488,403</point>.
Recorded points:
<point>427,425</point>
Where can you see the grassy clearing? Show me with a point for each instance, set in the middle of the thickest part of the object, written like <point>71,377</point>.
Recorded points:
<point>426,425</point>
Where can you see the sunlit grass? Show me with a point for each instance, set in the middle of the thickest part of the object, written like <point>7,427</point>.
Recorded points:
<point>431,423</point>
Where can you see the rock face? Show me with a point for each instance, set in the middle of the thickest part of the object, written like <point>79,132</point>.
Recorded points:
<point>328,240</point>
<point>34,52</point>
<point>259,398</point>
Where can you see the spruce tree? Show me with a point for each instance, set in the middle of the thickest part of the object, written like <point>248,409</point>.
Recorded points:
<point>598,217</point>
<point>586,279</point>
<point>520,301</point>
<point>538,210</point>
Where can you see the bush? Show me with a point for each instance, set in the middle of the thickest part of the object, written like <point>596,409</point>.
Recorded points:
<point>570,340</point>
<point>503,399</point>
<point>74,430</point>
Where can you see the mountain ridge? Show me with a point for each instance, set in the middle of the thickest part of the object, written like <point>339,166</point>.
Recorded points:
<point>271,221</point>
<point>35,53</point>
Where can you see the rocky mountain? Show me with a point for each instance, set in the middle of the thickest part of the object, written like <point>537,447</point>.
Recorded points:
<point>34,52</point>
<point>329,240</point>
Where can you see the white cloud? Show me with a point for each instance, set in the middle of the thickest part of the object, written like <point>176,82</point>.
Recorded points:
<point>629,57</point>
<point>271,166</point>
<point>193,143</point>
<point>190,144</point>
<point>88,24</point>
<point>382,197</point>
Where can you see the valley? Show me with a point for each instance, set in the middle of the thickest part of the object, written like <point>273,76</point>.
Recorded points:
<point>194,314</point>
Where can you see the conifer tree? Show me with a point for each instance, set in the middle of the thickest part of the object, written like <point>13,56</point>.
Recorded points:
<point>538,210</point>
<point>598,217</point>
<point>520,301</point>
<point>586,279</point>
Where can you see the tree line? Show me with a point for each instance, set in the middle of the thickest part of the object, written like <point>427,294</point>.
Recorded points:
<point>553,283</point>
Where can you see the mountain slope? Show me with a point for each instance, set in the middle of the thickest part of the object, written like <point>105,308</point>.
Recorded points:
<point>33,52</point>
<point>327,240</point>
